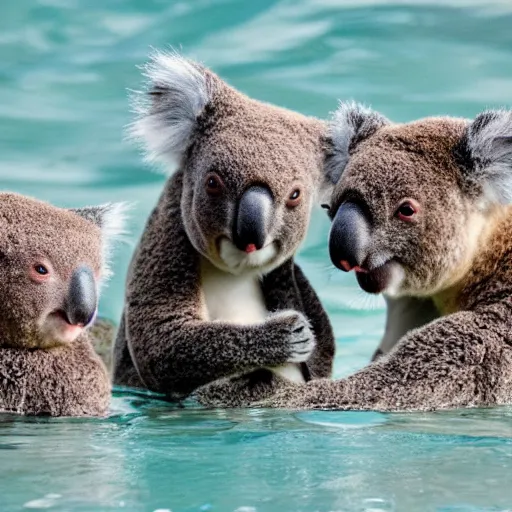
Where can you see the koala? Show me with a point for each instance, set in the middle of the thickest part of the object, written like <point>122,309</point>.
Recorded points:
<point>421,213</point>
<point>52,262</point>
<point>213,294</point>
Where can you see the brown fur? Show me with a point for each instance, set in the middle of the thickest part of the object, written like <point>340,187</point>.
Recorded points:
<point>61,381</point>
<point>456,254</point>
<point>166,341</point>
<point>41,373</point>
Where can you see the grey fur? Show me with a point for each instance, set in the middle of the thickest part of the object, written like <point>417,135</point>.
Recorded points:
<point>63,381</point>
<point>177,92</point>
<point>175,351</point>
<point>111,219</point>
<point>488,144</point>
<point>457,361</point>
<point>351,123</point>
<point>47,366</point>
<point>167,340</point>
<point>460,264</point>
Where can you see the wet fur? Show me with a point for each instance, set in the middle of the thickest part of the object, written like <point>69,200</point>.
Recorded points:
<point>463,268</point>
<point>176,351</point>
<point>177,335</point>
<point>53,379</point>
<point>62,381</point>
<point>463,359</point>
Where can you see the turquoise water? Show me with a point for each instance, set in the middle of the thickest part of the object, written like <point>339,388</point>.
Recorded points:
<point>65,67</point>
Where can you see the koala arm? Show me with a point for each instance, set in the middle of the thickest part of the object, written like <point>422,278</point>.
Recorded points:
<point>286,287</point>
<point>174,349</point>
<point>183,354</point>
<point>464,359</point>
<point>62,381</point>
<point>321,360</point>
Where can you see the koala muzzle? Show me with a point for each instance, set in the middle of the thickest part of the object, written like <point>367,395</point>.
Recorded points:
<point>349,238</point>
<point>253,218</point>
<point>82,299</point>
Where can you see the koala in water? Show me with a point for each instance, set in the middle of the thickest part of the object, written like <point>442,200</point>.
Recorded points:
<point>421,212</point>
<point>51,262</point>
<point>213,293</point>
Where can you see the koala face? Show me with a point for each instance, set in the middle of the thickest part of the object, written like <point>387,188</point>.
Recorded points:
<point>249,182</point>
<point>51,263</point>
<point>250,169</point>
<point>414,200</point>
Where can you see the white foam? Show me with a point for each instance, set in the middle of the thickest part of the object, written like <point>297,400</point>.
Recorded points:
<point>48,501</point>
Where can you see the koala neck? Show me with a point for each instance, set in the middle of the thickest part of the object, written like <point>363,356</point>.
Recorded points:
<point>484,250</point>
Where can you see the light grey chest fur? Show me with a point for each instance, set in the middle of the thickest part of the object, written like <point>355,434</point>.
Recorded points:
<point>238,299</point>
<point>402,315</point>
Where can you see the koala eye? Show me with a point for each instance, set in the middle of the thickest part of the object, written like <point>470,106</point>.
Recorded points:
<point>407,210</point>
<point>39,272</point>
<point>214,185</point>
<point>41,269</point>
<point>326,207</point>
<point>294,198</point>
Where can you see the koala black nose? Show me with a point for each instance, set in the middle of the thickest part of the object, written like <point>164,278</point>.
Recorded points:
<point>82,299</point>
<point>253,218</point>
<point>349,237</point>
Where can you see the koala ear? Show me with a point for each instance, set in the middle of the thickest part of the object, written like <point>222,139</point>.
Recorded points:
<point>111,219</point>
<point>486,151</point>
<point>350,125</point>
<point>177,92</point>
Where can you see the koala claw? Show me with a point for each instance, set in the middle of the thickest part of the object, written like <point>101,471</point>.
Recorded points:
<point>301,350</point>
<point>293,335</point>
<point>300,338</point>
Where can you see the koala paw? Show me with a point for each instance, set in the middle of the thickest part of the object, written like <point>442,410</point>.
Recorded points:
<point>298,335</point>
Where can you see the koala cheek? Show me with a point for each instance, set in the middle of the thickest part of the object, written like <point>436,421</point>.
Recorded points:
<point>293,234</point>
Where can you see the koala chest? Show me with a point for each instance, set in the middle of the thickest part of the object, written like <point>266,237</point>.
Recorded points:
<point>238,300</point>
<point>230,298</point>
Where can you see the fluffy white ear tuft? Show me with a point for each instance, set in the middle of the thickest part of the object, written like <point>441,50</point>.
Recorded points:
<point>111,218</point>
<point>351,124</point>
<point>487,155</point>
<point>177,92</point>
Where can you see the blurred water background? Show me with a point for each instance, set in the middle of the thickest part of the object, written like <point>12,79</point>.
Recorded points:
<point>65,67</point>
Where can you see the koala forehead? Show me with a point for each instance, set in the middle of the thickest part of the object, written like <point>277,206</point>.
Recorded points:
<point>251,141</point>
<point>413,159</point>
<point>31,228</point>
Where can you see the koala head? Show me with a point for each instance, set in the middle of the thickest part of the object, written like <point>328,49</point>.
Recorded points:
<point>52,261</point>
<point>250,169</point>
<point>411,203</point>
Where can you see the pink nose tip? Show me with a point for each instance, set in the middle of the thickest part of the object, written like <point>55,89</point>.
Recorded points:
<point>250,248</point>
<point>346,265</point>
